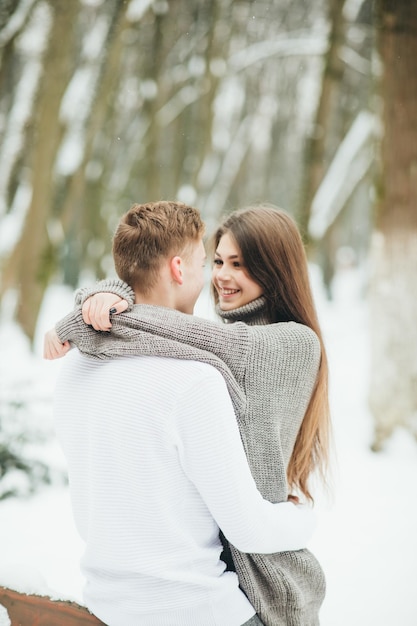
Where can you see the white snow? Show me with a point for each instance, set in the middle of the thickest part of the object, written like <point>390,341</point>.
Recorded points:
<point>79,97</point>
<point>137,8</point>
<point>31,45</point>
<point>366,539</point>
<point>299,43</point>
<point>351,9</point>
<point>350,164</point>
<point>12,222</point>
<point>4,617</point>
<point>175,106</point>
<point>17,19</point>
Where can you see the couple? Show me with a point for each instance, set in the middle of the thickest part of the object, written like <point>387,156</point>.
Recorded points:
<point>162,448</point>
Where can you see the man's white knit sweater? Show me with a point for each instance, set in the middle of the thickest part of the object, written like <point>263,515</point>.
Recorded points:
<point>156,465</point>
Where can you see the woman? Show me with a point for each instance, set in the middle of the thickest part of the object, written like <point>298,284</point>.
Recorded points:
<point>272,345</point>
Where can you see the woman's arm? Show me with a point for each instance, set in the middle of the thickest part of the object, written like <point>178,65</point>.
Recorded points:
<point>228,342</point>
<point>109,285</point>
<point>126,340</point>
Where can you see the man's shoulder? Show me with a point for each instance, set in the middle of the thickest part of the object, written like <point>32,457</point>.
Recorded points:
<point>168,377</point>
<point>183,369</point>
<point>188,375</point>
<point>194,370</point>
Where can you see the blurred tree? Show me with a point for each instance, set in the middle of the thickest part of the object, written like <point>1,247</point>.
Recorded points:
<point>31,263</point>
<point>111,102</point>
<point>318,152</point>
<point>393,393</point>
<point>333,173</point>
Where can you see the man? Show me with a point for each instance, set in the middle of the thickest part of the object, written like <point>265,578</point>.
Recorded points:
<point>155,460</point>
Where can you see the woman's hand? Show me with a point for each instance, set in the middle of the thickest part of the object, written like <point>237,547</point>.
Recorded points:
<point>53,348</point>
<point>96,309</point>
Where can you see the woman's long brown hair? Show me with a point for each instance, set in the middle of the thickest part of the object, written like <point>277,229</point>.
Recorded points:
<point>274,256</point>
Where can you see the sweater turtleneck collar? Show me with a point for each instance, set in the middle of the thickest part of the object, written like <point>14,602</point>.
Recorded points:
<point>253,313</point>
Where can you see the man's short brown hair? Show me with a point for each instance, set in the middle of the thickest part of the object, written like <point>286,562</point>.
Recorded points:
<point>149,233</point>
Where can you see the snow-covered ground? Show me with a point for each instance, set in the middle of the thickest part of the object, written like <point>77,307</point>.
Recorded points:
<point>366,538</point>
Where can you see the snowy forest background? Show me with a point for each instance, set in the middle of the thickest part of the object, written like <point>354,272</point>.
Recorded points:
<point>308,104</point>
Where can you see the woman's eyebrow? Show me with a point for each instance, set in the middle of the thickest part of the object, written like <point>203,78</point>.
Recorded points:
<point>232,256</point>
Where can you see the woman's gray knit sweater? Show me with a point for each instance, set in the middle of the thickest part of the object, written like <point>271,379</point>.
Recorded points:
<point>270,370</point>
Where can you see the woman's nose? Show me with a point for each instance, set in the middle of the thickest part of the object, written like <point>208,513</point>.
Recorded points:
<point>223,272</point>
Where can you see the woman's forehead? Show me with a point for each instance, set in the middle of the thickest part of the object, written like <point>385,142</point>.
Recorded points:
<point>227,246</point>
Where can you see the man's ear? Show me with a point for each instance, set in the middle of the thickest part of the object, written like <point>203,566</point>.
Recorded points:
<point>176,269</point>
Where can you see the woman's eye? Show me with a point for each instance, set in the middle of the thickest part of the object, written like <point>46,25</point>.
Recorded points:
<point>236,264</point>
<point>218,262</point>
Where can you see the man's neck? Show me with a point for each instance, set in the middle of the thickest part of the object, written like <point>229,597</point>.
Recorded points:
<point>167,300</point>
<point>156,297</point>
<point>166,292</point>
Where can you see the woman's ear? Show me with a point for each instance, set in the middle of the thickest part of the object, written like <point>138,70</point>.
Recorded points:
<point>176,269</point>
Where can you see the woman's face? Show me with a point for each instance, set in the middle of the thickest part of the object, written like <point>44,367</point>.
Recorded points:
<point>230,278</point>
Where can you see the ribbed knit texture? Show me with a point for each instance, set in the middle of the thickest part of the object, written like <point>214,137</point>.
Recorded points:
<point>152,548</point>
<point>271,371</point>
<point>156,464</point>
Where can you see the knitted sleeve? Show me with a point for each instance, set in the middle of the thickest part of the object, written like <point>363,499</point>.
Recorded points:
<point>230,342</point>
<point>288,354</point>
<point>285,357</point>
<point>297,342</point>
<point>126,340</point>
<point>73,328</point>
<point>109,285</point>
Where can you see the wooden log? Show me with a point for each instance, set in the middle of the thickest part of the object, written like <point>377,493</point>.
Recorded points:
<point>33,610</point>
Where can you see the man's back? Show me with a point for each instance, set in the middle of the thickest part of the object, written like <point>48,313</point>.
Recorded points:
<point>155,460</point>
<point>137,440</point>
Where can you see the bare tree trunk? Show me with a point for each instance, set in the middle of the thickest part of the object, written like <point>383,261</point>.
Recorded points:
<point>317,154</point>
<point>393,392</point>
<point>30,264</point>
<point>176,105</point>
<point>83,219</point>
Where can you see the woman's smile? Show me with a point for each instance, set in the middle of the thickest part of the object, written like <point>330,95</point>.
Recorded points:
<point>234,286</point>
<point>228,292</point>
